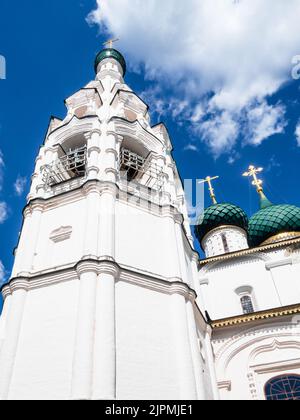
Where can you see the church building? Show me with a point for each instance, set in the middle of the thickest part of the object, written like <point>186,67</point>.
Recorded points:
<point>108,298</point>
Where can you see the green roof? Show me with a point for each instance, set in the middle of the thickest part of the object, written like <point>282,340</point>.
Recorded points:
<point>110,53</point>
<point>220,215</point>
<point>272,220</point>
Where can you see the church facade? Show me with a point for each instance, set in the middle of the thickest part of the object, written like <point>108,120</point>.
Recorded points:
<point>108,298</point>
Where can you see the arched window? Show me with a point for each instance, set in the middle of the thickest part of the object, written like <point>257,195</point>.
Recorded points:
<point>247,304</point>
<point>285,387</point>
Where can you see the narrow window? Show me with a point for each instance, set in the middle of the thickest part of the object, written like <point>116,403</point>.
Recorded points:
<point>225,243</point>
<point>247,304</point>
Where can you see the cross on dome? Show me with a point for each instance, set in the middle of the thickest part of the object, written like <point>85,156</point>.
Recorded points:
<point>252,172</point>
<point>110,42</point>
<point>209,180</point>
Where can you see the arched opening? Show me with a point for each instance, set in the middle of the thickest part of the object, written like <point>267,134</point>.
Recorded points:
<point>284,388</point>
<point>70,163</point>
<point>133,156</point>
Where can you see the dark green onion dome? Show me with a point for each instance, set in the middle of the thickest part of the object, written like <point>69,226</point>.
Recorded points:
<point>273,220</point>
<point>110,53</point>
<point>220,215</point>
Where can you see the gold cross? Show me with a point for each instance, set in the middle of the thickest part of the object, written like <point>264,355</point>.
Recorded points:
<point>208,180</point>
<point>252,172</point>
<point>110,43</point>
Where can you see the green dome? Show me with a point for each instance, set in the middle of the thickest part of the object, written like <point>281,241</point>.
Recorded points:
<point>110,53</point>
<point>220,215</point>
<point>273,220</point>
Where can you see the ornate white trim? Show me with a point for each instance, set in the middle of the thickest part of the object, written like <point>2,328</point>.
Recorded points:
<point>61,234</point>
<point>142,279</point>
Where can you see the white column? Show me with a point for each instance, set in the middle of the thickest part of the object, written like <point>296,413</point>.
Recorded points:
<point>107,223</point>
<point>182,349</point>
<point>196,356</point>
<point>84,344</point>
<point>211,364</point>
<point>10,345</point>
<point>171,246</point>
<point>181,252</point>
<point>93,153</point>
<point>28,240</point>
<point>36,178</point>
<point>104,373</point>
<point>92,223</point>
<point>171,178</point>
<point>111,157</point>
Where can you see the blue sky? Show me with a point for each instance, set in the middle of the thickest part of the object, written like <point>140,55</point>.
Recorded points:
<point>50,48</point>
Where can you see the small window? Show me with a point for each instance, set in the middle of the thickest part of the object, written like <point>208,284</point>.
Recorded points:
<point>247,304</point>
<point>283,388</point>
<point>225,243</point>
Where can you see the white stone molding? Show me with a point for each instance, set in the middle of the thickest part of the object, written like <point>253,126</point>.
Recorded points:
<point>72,128</point>
<point>226,385</point>
<point>140,134</point>
<point>61,234</point>
<point>257,335</point>
<point>140,278</point>
<point>275,264</point>
<point>226,264</point>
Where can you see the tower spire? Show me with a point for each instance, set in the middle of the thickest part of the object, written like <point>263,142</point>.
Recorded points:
<point>209,180</point>
<point>258,183</point>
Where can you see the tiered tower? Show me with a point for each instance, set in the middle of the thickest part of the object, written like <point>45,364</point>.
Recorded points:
<point>102,302</point>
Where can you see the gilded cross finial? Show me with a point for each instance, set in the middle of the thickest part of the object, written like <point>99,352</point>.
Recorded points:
<point>110,42</point>
<point>252,172</point>
<point>209,180</point>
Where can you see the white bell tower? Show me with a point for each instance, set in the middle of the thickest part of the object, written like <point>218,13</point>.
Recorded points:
<point>102,299</point>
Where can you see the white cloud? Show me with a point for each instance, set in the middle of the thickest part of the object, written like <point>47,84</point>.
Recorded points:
<point>264,121</point>
<point>297,132</point>
<point>3,212</point>
<point>191,148</point>
<point>20,185</point>
<point>2,273</point>
<point>238,52</point>
<point>2,165</point>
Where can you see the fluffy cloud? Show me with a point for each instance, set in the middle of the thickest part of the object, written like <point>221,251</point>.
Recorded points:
<point>2,165</point>
<point>237,53</point>
<point>298,133</point>
<point>264,121</point>
<point>20,185</point>
<point>2,273</point>
<point>3,212</point>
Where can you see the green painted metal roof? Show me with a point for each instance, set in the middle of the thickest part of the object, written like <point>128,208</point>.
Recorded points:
<point>272,220</point>
<point>219,215</point>
<point>110,53</point>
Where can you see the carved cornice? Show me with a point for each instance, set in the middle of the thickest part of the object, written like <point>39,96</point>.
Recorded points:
<point>257,316</point>
<point>251,251</point>
<point>121,273</point>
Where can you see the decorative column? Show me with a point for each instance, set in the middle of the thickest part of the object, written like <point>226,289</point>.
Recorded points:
<point>182,349</point>
<point>36,179</point>
<point>171,180</point>
<point>195,348</point>
<point>93,152</point>
<point>12,334</point>
<point>84,343</point>
<point>90,250</point>
<point>211,363</point>
<point>111,158</point>
<point>104,372</point>
<point>28,241</point>
<point>181,251</point>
